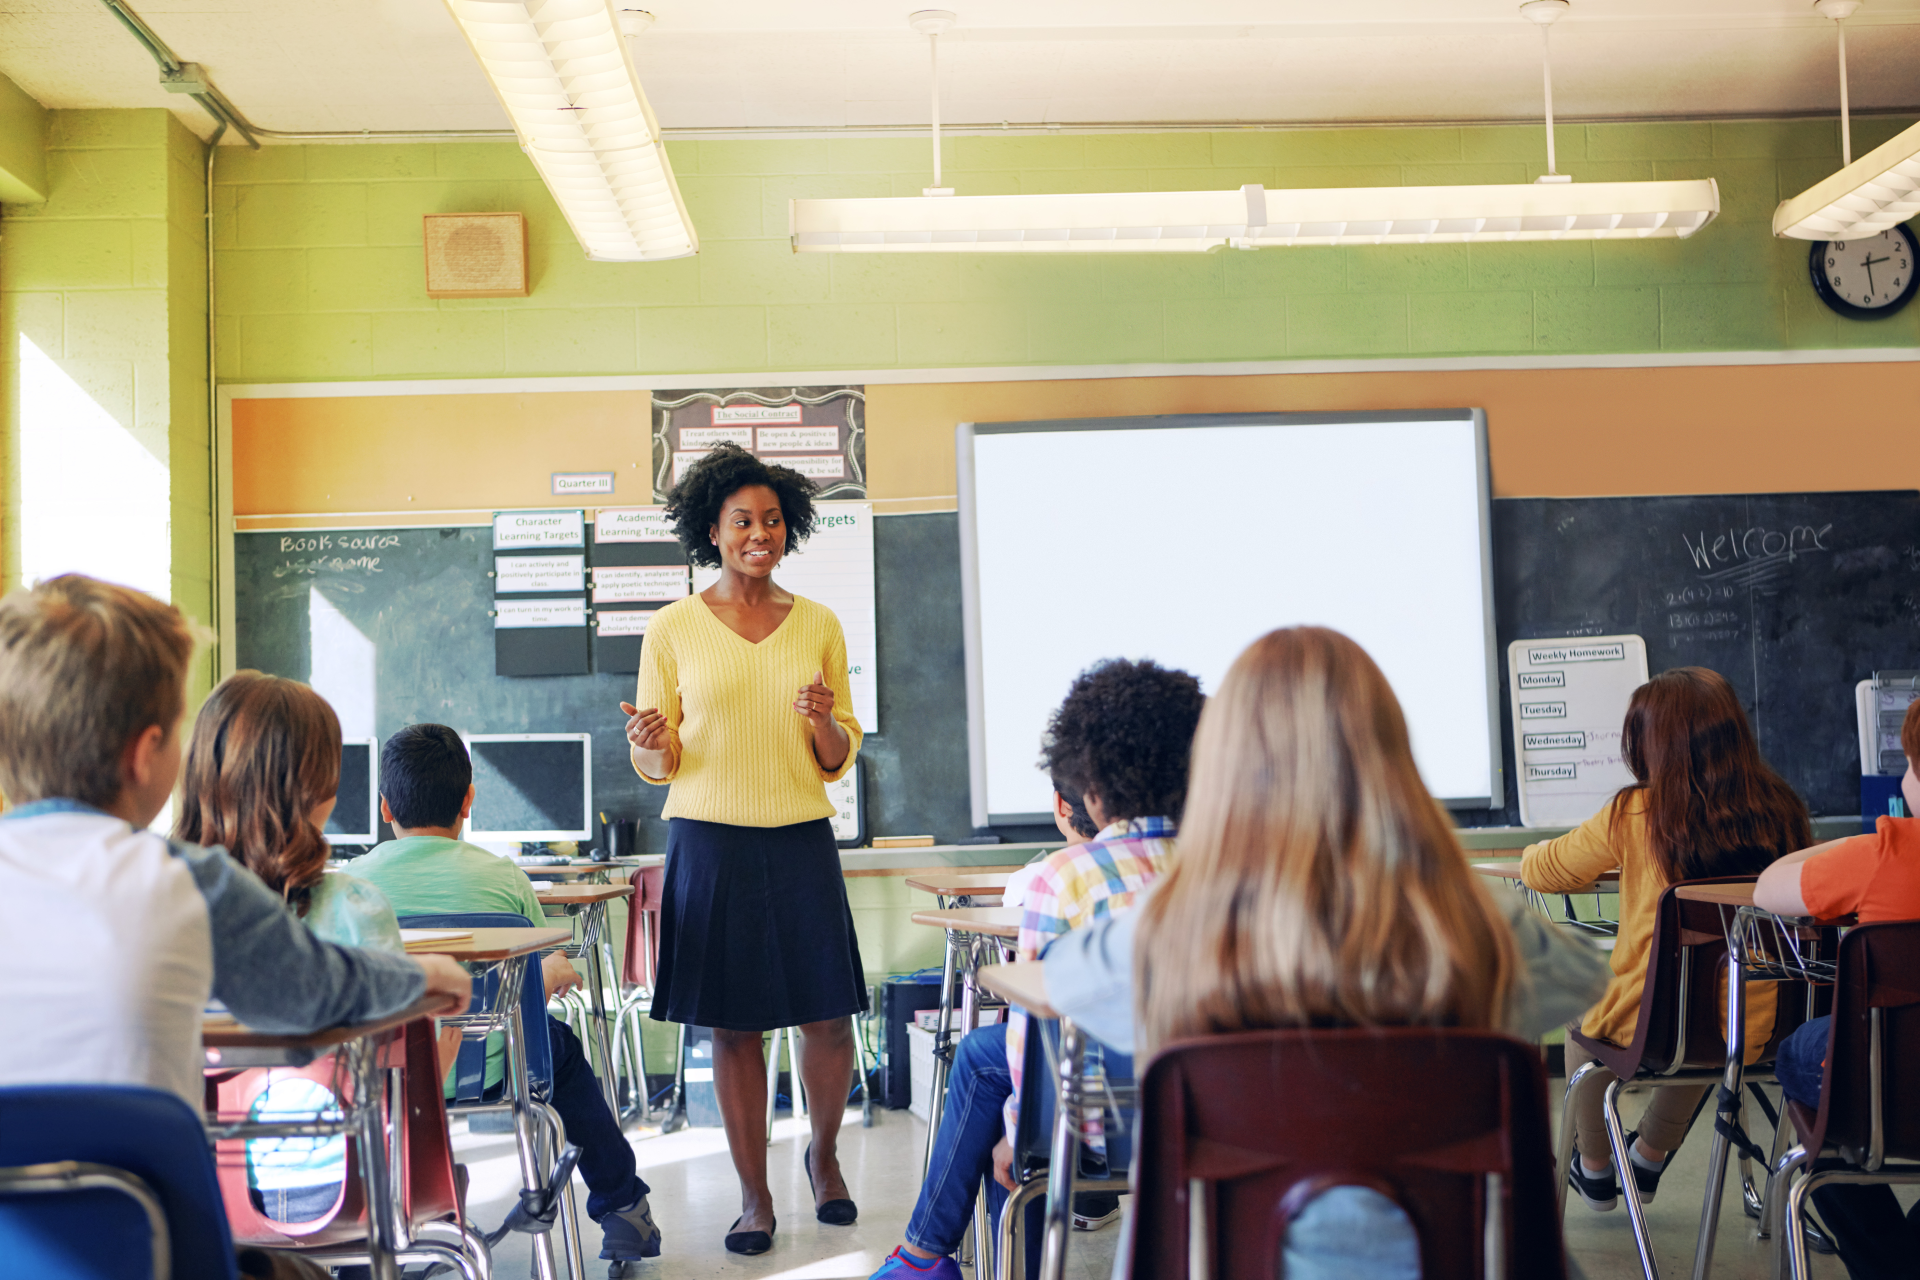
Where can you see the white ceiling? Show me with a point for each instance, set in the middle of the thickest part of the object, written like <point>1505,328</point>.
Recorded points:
<point>731,64</point>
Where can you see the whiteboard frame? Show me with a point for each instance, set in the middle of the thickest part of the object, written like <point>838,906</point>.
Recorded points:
<point>964,436</point>
<point>480,834</point>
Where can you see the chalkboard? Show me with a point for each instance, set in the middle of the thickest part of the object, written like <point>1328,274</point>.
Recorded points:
<point>1792,597</point>
<point>421,596</point>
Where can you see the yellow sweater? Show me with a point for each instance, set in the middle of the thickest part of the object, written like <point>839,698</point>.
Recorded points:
<point>1574,860</point>
<point>740,753</point>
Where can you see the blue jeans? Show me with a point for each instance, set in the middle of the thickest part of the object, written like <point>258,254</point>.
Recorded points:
<point>977,1089</point>
<point>1874,1237</point>
<point>606,1157</point>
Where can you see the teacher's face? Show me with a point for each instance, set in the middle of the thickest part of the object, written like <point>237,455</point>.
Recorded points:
<point>752,533</point>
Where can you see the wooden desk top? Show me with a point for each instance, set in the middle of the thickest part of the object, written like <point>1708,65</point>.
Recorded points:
<point>954,882</point>
<point>1023,982</point>
<point>224,1031</point>
<point>1511,871</point>
<point>1727,895</point>
<point>993,922</point>
<point>497,944</point>
<point>579,895</point>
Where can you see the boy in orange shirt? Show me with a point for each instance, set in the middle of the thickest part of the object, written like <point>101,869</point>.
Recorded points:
<point>1875,877</point>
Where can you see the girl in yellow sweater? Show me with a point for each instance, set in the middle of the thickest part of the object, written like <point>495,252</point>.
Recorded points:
<point>1703,803</point>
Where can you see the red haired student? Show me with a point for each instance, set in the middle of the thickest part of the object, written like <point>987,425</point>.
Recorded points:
<point>1702,803</point>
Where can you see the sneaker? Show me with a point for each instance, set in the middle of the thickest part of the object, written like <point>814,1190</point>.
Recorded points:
<point>1646,1174</point>
<point>1093,1210</point>
<point>630,1233</point>
<point>1598,1189</point>
<point>901,1265</point>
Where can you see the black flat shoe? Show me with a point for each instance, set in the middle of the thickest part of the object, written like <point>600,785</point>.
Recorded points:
<point>751,1241</point>
<point>835,1213</point>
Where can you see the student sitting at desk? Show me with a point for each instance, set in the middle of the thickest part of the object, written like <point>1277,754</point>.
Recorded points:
<point>1074,823</point>
<point>1318,884</point>
<point>262,769</point>
<point>426,792</point>
<point>1120,740</point>
<point>1874,878</point>
<point>113,938</point>
<point>1702,803</point>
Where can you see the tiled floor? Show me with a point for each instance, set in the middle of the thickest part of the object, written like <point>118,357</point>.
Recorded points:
<point>695,1198</point>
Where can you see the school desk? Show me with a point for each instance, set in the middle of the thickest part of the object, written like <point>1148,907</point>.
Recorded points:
<point>364,1049</point>
<point>1607,883</point>
<point>508,951</point>
<point>587,904</point>
<point>1761,946</point>
<point>973,936</point>
<point>959,885</point>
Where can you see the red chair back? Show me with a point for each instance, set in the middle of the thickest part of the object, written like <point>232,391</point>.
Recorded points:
<point>426,1182</point>
<point>1686,968</point>
<point>1269,1119</point>
<point>1878,980</point>
<point>642,964</point>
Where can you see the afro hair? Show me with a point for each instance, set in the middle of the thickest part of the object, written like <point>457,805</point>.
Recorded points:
<point>694,504</point>
<point>1125,734</point>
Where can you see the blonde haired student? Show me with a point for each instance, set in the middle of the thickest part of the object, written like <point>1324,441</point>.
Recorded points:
<point>1702,803</point>
<point>1318,884</point>
<point>112,937</point>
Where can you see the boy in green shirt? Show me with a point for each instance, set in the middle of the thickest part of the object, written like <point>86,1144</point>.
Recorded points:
<point>426,792</point>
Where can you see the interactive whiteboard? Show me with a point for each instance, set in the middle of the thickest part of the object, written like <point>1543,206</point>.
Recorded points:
<point>1183,539</point>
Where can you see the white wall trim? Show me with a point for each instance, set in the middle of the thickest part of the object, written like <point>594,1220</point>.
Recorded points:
<point>1047,373</point>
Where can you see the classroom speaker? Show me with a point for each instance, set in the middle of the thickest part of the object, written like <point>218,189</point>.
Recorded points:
<point>476,255</point>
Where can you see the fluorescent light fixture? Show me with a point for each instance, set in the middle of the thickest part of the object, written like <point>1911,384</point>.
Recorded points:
<point>1879,190</point>
<point>1553,208</point>
<point>563,73</point>
<point>1252,218</point>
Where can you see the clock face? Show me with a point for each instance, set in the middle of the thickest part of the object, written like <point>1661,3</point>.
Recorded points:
<point>1868,278</point>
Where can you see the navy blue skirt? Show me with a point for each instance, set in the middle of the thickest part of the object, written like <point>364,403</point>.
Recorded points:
<point>755,931</point>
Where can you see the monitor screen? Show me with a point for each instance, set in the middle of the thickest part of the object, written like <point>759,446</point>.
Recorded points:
<point>356,807</point>
<point>531,786</point>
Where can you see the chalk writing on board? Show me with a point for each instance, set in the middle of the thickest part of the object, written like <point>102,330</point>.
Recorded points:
<point>328,564</point>
<point>1714,549</point>
<point>339,542</point>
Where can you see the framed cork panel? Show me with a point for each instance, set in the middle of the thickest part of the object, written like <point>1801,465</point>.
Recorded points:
<point>476,255</point>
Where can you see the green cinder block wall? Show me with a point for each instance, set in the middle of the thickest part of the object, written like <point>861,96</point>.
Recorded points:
<point>107,277</point>
<point>320,275</point>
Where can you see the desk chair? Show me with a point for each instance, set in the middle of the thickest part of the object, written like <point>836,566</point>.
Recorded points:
<point>1113,1089</point>
<point>106,1182</point>
<point>641,973</point>
<point>1238,1133</point>
<point>1870,1091</point>
<point>421,1156</point>
<point>470,1070</point>
<point>1677,1040</point>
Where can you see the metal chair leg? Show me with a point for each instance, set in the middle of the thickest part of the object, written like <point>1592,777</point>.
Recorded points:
<point>1636,1212</point>
<point>1565,1153</point>
<point>773,1079</point>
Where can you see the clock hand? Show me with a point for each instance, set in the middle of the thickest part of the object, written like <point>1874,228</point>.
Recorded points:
<point>1868,262</point>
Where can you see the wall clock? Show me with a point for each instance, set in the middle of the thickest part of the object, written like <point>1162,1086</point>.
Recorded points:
<point>1866,279</point>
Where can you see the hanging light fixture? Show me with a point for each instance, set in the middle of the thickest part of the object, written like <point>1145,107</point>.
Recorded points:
<point>1879,190</point>
<point>1554,208</point>
<point>566,78</point>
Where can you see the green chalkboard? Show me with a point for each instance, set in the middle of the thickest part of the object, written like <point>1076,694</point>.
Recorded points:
<point>420,597</point>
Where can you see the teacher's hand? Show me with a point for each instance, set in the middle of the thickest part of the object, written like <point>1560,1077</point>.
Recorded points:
<point>646,730</point>
<point>816,702</point>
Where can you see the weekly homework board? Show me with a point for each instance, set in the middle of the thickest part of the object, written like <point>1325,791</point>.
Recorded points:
<point>1569,701</point>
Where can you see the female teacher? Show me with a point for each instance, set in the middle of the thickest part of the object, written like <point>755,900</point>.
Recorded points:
<point>744,690</point>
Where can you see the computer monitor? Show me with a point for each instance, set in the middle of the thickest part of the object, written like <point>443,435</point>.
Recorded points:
<point>356,807</point>
<point>531,786</point>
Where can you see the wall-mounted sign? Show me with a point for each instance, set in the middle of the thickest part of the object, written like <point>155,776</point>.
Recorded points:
<point>526,530</point>
<point>539,573</point>
<point>612,584</point>
<point>701,439</point>
<point>568,483</point>
<point>539,613</point>
<point>796,439</point>
<point>623,622</point>
<point>820,432</point>
<point>754,412</point>
<point>632,524</point>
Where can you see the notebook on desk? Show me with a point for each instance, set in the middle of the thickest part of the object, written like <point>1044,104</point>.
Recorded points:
<point>419,939</point>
